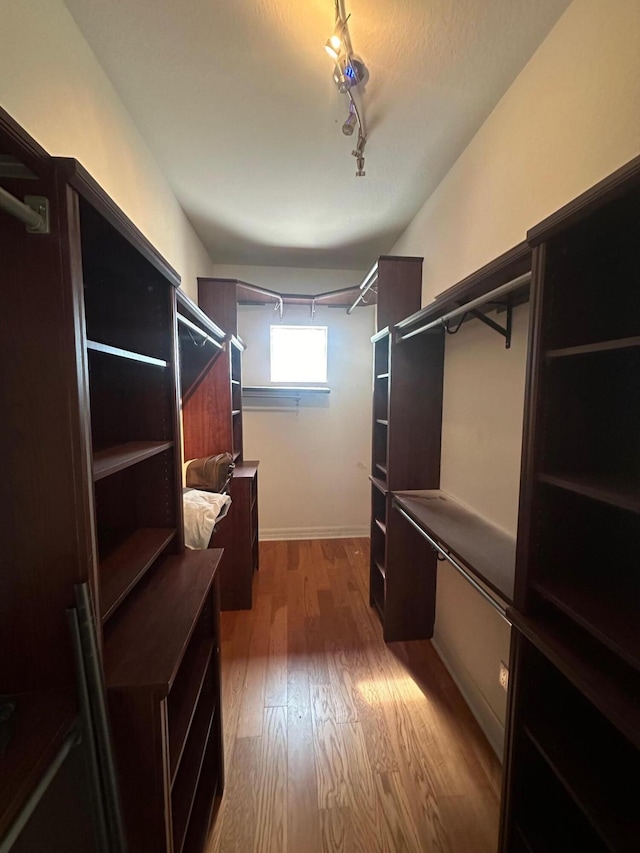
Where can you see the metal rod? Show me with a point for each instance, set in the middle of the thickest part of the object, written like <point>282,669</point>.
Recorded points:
<point>199,331</point>
<point>98,700</point>
<point>268,391</point>
<point>475,303</point>
<point>368,282</point>
<point>10,204</point>
<point>89,739</point>
<point>465,574</point>
<point>71,740</point>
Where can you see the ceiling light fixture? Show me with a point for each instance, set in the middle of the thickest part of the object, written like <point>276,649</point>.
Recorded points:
<point>350,71</point>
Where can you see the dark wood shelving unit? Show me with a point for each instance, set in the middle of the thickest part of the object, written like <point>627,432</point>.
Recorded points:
<point>172,680</point>
<point>212,424</point>
<point>421,521</point>
<point>92,420</point>
<point>407,400</point>
<point>574,703</point>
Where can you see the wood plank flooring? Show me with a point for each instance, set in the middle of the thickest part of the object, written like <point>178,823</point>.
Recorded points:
<point>335,741</point>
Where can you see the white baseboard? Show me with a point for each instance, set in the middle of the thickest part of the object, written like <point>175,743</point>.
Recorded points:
<point>480,708</point>
<point>277,534</point>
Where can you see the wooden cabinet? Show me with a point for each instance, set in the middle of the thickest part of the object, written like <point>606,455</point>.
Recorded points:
<point>574,717</point>
<point>91,435</point>
<point>407,404</point>
<point>237,534</point>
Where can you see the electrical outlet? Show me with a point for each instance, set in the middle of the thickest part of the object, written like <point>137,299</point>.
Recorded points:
<point>504,675</point>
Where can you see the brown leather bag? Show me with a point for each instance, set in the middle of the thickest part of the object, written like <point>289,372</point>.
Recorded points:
<point>210,473</point>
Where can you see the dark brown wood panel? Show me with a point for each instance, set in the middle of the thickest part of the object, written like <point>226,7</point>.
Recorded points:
<point>399,289</point>
<point>218,299</point>
<point>207,414</point>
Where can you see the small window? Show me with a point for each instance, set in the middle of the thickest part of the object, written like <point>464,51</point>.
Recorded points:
<point>298,353</point>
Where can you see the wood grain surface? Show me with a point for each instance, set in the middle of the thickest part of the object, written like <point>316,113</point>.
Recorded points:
<point>335,741</point>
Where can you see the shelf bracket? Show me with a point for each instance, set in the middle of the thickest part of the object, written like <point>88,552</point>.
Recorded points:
<point>505,331</point>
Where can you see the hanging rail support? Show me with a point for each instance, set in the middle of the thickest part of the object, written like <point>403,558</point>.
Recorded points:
<point>34,212</point>
<point>492,296</point>
<point>505,331</point>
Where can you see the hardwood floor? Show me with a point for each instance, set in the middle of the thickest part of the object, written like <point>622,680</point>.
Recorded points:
<point>333,740</point>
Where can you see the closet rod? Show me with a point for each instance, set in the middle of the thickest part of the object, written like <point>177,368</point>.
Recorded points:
<point>463,309</point>
<point>368,282</point>
<point>199,331</point>
<point>465,574</point>
<point>34,221</point>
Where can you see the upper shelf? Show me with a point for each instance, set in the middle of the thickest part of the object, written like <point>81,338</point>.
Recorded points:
<point>488,552</point>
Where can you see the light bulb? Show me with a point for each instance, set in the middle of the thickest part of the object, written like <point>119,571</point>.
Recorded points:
<point>334,46</point>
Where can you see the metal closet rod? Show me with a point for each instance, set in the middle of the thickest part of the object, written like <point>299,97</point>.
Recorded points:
<point>465,574</point>
<point>369,280</point>
<point>463,309</point>
<point>199,331</point>
<point>16,208</point>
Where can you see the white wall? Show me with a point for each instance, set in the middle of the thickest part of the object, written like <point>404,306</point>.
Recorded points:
<point>569,119</point>
<point>52,85</point>
<point>314,464</point>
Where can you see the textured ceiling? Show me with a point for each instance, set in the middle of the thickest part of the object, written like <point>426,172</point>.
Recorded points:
<point>237,102</point>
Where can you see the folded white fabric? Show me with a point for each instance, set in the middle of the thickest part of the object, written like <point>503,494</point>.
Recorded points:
<point>201,511</point>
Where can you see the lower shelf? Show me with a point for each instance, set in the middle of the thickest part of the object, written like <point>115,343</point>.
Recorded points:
<point>185,787</point>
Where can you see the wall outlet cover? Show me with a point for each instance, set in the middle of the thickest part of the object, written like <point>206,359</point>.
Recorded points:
<point>504,675</point>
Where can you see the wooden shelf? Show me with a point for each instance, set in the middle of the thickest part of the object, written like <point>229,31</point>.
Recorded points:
<point>622,496</point>
<point>381,468</point>
<point>380,568</point>
<point>205,802</point>
<point>181,714</point>
<point>588,789</point>
<point>122,569</point>
<point>488,552</point>
<point>114,459</point>
<point>41,722</point>
<point>105,349</point>
<point>380,485</point>
<point>382,422</point>
<point>600,346</point>
<point>381,525</point>
<point>608,622</point>
<point>186,783</point>
<point>158,623</point>
<point>600,683</point>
